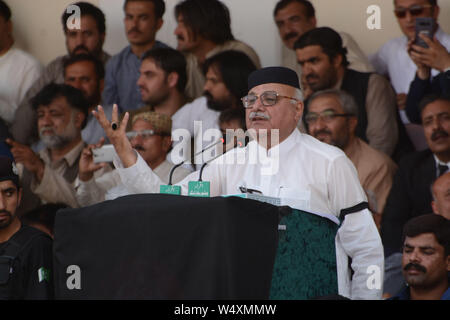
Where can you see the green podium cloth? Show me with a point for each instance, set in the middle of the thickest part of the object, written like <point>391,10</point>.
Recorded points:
<point>305,264</point>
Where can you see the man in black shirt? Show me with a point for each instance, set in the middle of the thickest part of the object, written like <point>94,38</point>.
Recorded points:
<point>25,252</point>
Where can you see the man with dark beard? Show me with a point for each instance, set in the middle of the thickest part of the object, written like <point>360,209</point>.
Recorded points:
<point>426,259</point>
<point>324,64</point>
<point>48,176</point>
<point>25,252</point>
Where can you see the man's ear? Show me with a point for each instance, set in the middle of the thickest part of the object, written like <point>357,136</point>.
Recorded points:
<point>101,86</point>
<point>19,196</point>
<point>434,207</point>
<point>159,23</point>
<point>172,79</point>
<point>436,11</point>
<point>352,123</point>
<point>298,111</point>
<point>448,263</point>
<point>166,143</point>
<point>338,60</point>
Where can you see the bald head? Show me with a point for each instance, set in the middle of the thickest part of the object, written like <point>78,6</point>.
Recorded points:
<point>441,196</point>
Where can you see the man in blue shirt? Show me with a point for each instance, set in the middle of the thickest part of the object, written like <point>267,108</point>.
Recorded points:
<point>426,259</point>
<point>143,18</point>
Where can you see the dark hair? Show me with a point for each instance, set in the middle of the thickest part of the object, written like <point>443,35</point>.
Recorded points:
<point>310,12</point>
<point>52,91</point>
<point>233,114</point>
<point>207,18</point>
<point>432,98</point>
<point>170,60</point>
<point>234,68</point>
<point>98,65</point>
<point>5,11</point>
<point>432,2</point>
<point>429,223</point>
<point>329,40</point>
<point>159,5</point>
<point>44,215</point>
<point>87,9</point>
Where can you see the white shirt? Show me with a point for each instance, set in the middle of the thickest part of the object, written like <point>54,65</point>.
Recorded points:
<point>319,176</point>
<point>392,59</point>
<point>109,186</point>
<point>185,118</point>
<point>18,71</point>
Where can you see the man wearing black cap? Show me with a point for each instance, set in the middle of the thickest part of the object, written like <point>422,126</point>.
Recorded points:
<point>281,162</point>
<point>25,253</point>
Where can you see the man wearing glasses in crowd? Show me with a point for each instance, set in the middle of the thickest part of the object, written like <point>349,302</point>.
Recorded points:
<point>317,177</point>
<point>392,58</point>
<point>151,137</point>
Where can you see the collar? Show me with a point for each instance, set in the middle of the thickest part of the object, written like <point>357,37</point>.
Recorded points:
<point>70,157</point>
<point>439,162</point>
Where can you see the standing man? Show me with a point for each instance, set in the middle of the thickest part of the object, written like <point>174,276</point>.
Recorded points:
<point>18,69</point>
<point>426,259</point>
<point>393,60</point>
<point>324,64</point>
<point>332,118</point>
<point>88,39</point>
<point>295,17</point>
<point>25,252</point>
<point>203,30</point>
<point>143,19</point>
<point>273,108</point>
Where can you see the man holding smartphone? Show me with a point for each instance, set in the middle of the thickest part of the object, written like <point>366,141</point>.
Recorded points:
<point>393,58</point>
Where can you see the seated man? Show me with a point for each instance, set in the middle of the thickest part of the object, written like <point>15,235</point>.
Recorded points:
<point>18,69</point>
<point>295,17</point>
<point>325,66</point>
<point>151,137</point>
<point>278,162</point>
<point>410,195</point>
<point>25,252</point>
<point>203,30</point>
<point>441,196</point>
<point>392,58</point>
<point>426,259</point>
<point>48,176</point>
<point>332,118</point>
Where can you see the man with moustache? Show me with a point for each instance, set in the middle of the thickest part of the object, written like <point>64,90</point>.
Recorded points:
<point>441,196</point>
<point>393,59</point>
<point>49,175</point>
<point>295,17</point>
<point>273,108</point>
<point>410,195</point>
<point>426,259</point>
<point>203,30</point>
<point>150,135</point>
<point>25,252</point>
<point>143,19</point>
<point>88,39</point>
<point>332,118</point>
<point>324,64</point>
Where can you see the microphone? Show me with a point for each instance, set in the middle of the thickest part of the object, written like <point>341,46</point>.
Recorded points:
<point>221,141</point>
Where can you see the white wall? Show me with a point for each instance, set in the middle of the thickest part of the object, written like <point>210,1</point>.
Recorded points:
<point>38,27</point>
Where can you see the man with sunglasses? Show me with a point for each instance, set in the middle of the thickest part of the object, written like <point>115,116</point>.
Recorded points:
<point>332,118</point>
<point>150,135</point>
<point>392,58</point>
<point>280,162</point>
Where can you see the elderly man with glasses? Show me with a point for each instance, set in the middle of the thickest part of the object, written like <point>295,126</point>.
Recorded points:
<point>151,137</point>
<point>332,118</point>
<point>281,162</point>
<point>393,58</point>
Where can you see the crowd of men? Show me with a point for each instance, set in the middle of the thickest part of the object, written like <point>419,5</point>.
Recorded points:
<point>335,121</point>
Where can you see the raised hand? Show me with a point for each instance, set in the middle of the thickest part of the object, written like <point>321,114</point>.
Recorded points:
<point>423,71</point>
<point>117,135</point>
<point>87,167</point>
<point>30,160</point>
